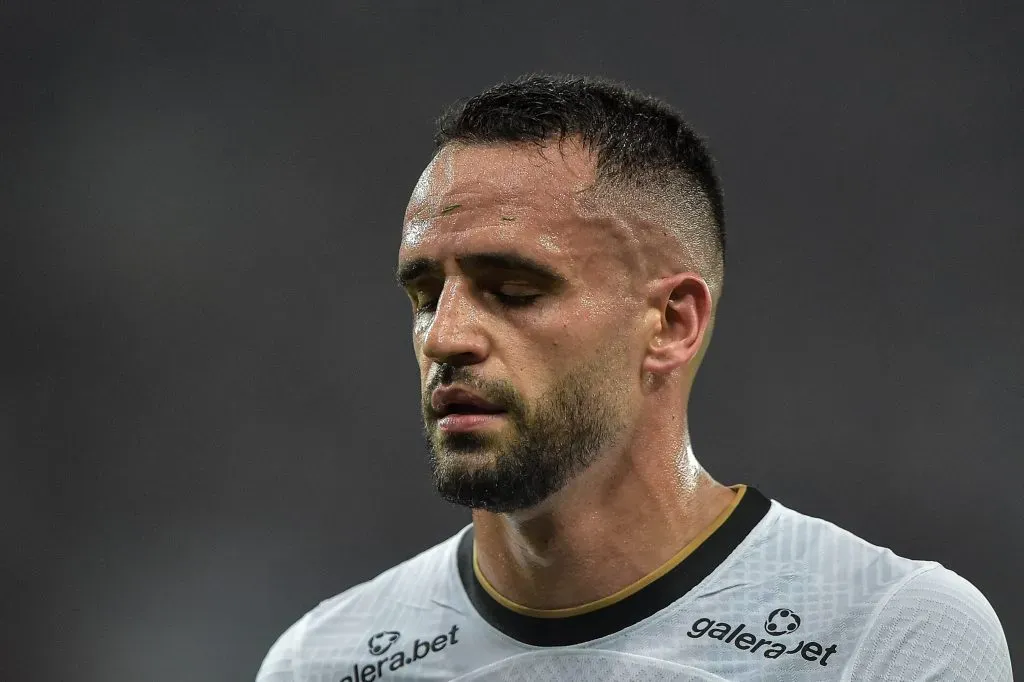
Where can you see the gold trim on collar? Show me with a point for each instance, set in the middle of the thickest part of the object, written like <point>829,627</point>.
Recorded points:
<point>625,591</point>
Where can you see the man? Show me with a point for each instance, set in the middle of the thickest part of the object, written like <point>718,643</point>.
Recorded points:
<point>563,253</point>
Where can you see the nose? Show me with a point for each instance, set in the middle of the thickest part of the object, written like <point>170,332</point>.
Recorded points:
<point>455,334</point>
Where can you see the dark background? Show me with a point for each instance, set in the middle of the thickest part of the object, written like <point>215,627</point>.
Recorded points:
<point>209,413</point>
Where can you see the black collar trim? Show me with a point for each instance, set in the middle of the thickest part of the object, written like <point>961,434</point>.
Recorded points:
<point>631,610</point>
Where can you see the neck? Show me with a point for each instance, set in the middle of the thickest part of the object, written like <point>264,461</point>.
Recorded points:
<point>619,521</point>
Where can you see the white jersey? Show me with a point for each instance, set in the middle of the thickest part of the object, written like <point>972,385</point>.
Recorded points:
<point>769,594</point>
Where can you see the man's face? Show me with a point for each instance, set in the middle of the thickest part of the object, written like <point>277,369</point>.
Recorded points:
<point>525,322</point>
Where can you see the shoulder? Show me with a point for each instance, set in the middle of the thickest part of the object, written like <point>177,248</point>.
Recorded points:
<point>831,556</point>
<point>938,590</point>
<point>428,575</point>
<point>913,619</point>
<point>279,662</point>
<point>934,624</point>
<point>401,594</point>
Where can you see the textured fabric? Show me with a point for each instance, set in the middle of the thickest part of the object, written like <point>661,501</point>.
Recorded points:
<point>937,626</point>
<point>798,599</point>
<point>587,665</point>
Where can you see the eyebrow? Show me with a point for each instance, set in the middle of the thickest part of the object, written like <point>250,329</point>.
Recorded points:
<point>412,270</point>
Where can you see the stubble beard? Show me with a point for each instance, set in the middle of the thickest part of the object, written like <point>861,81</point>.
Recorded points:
<point>535,454</point>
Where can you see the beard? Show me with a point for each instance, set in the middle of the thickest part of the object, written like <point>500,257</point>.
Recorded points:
<point>537,451</point>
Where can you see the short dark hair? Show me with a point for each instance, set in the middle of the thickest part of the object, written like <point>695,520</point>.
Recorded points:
<point>638,140</point>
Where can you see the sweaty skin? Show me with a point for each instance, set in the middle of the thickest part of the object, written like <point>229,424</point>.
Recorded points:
<point>625,302</point>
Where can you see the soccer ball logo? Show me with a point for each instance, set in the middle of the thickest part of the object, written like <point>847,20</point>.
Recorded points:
<point>382,641</point>
<point>781,622</point>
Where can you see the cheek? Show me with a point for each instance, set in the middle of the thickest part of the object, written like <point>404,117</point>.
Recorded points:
<point>421,360</point>
<point>575,342</point>
<point>597,321</point>
<point>609,337</point>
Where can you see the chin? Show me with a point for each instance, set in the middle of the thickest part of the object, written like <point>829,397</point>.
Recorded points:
<point>473,443</point>
<point>462,466</point>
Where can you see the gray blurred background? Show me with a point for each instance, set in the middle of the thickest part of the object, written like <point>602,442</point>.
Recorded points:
<point>209,400</point>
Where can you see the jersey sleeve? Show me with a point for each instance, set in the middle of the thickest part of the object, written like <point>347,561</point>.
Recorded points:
<point>937,626</point>
<point>279,663</point>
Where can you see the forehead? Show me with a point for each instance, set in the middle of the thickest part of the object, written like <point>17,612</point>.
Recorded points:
<point>521,196</point>
<point>503,173</point>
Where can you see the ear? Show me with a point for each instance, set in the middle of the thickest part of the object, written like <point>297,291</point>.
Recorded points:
<point>681,307</point>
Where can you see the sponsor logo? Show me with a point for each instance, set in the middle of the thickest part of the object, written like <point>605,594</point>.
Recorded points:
<point>379,645</point>
<point>382,641</point>
<point>780,622</point>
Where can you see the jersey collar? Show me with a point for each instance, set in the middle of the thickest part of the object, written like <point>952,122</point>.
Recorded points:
<point>586,623</point>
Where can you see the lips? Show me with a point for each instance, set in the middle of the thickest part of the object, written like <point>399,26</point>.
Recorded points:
<point>445,401</point>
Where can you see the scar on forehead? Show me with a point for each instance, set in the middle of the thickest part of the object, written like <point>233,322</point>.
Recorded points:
<point>448,209</point>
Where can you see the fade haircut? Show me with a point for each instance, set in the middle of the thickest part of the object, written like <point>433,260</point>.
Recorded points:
<point>641,144</point>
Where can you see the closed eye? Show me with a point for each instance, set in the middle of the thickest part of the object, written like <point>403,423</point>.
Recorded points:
<point>515,300</point>
<point>514,293</point>
<point>509,295</point>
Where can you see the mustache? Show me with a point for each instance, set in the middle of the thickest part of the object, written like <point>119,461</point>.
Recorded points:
<point>451,374</point>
